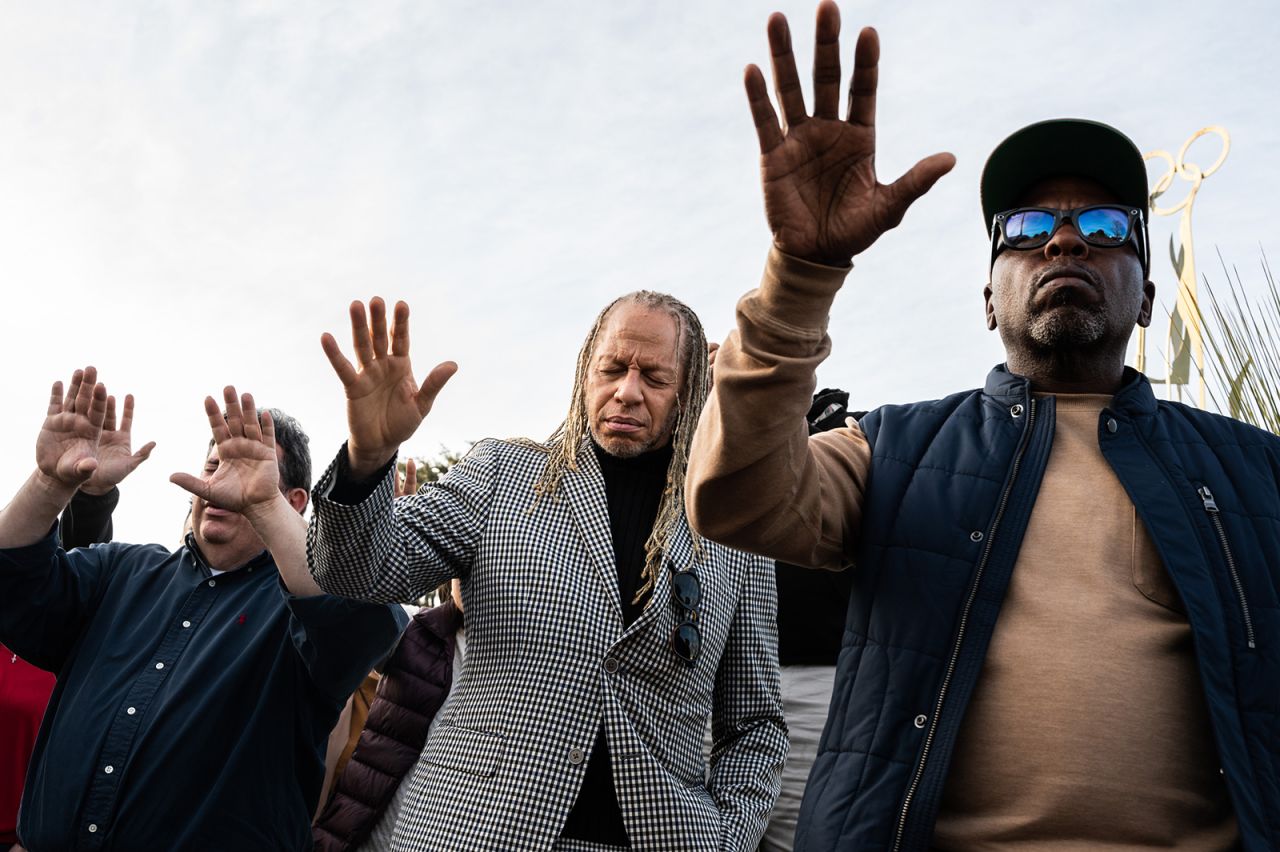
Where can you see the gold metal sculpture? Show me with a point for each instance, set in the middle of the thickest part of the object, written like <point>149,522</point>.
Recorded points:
<point>1184,345</point>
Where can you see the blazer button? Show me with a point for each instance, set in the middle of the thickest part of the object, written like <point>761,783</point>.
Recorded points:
<point>611,665</point>
<point>576,756</point>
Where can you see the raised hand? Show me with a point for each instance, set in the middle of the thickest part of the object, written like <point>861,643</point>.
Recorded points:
<point>242,473</point>
<point>821,195</point>
<point>385,405</point>
<point>116,459</point>
<point>407,485</point>
<point>67,448</point>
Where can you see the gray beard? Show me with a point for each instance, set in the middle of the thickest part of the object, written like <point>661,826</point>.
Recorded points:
<point>620,448</point>
<point>1070,328</point>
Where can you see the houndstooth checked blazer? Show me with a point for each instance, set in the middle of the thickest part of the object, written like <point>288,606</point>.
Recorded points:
<point>548,660</point>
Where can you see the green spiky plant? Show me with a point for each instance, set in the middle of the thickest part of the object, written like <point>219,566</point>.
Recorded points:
<point>1242,348</point>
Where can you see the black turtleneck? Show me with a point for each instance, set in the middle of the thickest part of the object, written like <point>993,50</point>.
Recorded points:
<point>633,489</point>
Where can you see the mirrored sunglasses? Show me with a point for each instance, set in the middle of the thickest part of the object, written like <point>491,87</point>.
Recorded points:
<point>1101,225</point>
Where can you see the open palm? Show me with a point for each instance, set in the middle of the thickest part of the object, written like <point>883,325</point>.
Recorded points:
<point>247,475</point>
<point>822,198</point>
<point>243,472</point>
<point>385,405</point>
<point>116,458</point>
<point>67,447</point>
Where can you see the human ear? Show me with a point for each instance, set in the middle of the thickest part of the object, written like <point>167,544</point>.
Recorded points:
<point>991,311</point>
<point>1148,299</point>
<point>297,498</point>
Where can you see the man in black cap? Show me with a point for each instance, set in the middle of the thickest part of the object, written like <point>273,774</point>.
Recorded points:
<point>1063,624</point>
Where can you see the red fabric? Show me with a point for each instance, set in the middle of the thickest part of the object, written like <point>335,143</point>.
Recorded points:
<point>24,693</point>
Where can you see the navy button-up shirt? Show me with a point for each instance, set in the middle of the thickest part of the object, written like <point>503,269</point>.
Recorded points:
<point>191,711</point>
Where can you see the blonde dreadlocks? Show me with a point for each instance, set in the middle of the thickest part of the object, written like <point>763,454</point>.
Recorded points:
<point>565,442</point>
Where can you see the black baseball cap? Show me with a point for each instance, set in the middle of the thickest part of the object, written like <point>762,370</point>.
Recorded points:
<point>1063,146</point>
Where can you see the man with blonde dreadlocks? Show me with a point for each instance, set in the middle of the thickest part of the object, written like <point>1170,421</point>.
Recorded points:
<point>602,632</point>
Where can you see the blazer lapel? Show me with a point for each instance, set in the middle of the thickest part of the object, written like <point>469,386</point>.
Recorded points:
<point>584,489</point>
<point>678,556</point>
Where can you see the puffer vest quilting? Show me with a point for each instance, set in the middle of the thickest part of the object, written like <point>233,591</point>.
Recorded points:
<point>412,690</point>
<point>951,489</point>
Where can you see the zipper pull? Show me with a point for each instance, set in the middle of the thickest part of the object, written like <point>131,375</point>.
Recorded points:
<point>1206,497</point>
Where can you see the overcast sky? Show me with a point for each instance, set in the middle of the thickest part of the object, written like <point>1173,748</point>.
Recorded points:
<point>191,192</point>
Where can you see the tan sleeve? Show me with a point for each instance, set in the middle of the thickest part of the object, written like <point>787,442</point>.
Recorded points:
<point>756,480</point>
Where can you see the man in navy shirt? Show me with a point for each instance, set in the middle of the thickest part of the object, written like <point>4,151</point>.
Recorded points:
<point>196,688</point>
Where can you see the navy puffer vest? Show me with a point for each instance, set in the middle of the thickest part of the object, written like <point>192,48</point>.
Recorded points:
<point>951,489</point>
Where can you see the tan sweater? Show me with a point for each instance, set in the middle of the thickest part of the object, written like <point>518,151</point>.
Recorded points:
<point>1088,723</point>
<point>1088,727</point>
<point>752,441</point>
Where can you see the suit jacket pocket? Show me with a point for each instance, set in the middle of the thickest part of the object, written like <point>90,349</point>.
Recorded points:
<point>475,752</point>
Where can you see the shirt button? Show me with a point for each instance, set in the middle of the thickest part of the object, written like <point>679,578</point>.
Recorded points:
<point>1112,426</point>
<point>575,756</point>
<point>132,710</point>
<point>186,624</point>
<point>213,583</point>
<point>159,665</point>
<point>93,828</point>
<point>611,665</point>
<point>108,769</point>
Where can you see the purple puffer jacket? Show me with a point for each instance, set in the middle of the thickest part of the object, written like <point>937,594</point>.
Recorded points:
<point>411,692</point>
